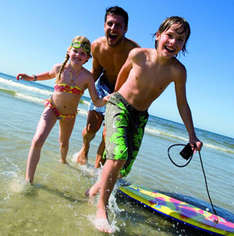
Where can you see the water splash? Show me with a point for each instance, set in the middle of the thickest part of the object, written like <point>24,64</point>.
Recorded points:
<point>86,169</point>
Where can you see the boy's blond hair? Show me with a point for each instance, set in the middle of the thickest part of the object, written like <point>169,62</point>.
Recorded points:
<point>168,22</point>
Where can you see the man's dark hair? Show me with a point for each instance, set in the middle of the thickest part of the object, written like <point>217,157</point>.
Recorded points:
<point>119,12</point>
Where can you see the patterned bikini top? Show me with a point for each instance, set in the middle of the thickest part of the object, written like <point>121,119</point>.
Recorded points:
<point>68,89</point>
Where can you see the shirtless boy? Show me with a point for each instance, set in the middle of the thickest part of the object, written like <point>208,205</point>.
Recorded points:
<point>109,54</point>
<point>142,79</point>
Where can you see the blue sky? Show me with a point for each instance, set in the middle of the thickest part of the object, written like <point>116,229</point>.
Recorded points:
<point>36,34</point>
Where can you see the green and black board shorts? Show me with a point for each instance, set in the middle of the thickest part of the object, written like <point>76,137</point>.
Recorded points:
<point>124,131</point>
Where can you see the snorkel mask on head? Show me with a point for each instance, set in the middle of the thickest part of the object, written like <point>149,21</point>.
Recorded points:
<point>84,45</point>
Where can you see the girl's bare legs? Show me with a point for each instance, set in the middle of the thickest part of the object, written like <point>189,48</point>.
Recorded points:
<point>65,131</point>
<point>45,124</point>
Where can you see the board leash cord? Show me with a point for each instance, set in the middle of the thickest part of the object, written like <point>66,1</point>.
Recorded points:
<point>203,170</point>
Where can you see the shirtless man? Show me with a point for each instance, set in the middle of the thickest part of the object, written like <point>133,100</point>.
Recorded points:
<point>142,79</point>
<point>109,54</point>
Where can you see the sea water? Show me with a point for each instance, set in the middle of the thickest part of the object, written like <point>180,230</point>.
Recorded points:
<point>56,204</point>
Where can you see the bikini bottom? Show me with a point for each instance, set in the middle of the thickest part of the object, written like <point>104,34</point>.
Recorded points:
<point>59,116</point>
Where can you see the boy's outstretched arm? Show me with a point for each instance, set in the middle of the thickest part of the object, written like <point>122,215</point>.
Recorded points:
<point>185,111</point>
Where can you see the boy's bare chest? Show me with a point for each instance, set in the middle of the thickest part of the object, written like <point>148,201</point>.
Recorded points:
<point>155,77</point>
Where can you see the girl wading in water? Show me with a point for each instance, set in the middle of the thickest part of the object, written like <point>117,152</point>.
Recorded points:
<point>71,81</point>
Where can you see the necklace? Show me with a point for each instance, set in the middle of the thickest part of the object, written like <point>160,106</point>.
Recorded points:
<point>72,80</point>
<point>73,77</point>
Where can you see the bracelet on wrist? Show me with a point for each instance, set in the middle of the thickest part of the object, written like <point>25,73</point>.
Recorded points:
<point>34,78</point>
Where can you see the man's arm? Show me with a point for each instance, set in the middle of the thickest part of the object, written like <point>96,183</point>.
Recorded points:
<point>96,67</point>
<point>184,109</point>
<point>124,72</point>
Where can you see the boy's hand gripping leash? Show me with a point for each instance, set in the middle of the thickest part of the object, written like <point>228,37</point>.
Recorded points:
<point>187,153</point>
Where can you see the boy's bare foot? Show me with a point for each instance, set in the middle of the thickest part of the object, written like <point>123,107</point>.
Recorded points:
<point>102,223</point>
<point>103,226</point>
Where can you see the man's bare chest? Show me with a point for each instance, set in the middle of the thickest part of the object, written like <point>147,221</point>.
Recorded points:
<point>112,61</point>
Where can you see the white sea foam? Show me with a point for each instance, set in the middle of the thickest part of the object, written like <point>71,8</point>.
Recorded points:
<point>9,173</point>
<point>103,224</point>
<point>219,148</point>
<point>86,169</point>
<point>157,132</point>
<point>113,206</point>
<point>17,185</point>
<point>162,134</point>
<point>86,102</point>
<point>29,98</point>
<point>25,87</point>
<point>82,112</point>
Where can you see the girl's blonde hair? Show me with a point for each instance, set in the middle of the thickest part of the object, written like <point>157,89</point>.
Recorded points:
<point>77,39</point>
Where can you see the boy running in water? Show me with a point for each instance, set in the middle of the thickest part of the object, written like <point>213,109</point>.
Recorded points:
<point>142,79</point>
